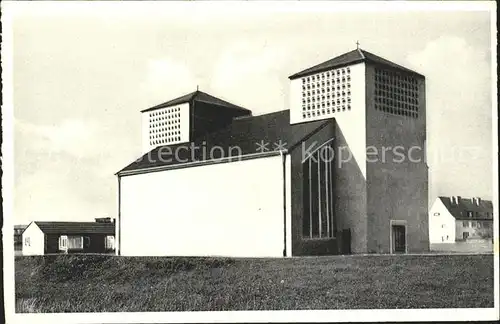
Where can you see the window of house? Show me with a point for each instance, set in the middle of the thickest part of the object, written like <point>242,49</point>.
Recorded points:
<point>109,242</point>
<point>63,242</point>
<point>473,224</point>
<point>436,214</point>
<point>318,216</point>
<point>75,242</point>
<point>465,224</point>
<point>470,214</point>
<point>27,241</point>
<point>465,235</point>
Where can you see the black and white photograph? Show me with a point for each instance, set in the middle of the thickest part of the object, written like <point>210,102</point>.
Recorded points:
<point>249,161</point>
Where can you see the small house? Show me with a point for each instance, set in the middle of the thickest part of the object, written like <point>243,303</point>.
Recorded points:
<point>69,237</point>
<point>456,219</point>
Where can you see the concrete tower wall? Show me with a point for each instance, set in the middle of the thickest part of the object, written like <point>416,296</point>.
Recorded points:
<point>397,176</point>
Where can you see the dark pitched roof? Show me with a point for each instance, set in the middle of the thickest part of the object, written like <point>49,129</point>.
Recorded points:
<point>76,228</point>
<point>482,211</point>
<point>197,96</point>
<point>349,58</point>
<point>244,133</point>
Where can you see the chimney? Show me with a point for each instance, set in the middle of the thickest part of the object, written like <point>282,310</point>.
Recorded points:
<point>458,198</point>
<point>103,220</point>
<point>477,200</point>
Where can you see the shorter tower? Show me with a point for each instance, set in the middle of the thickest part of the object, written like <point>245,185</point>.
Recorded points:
<point>186,118</point>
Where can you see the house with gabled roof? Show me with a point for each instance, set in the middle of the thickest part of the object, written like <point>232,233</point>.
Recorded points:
<point>218,181</point>
<point>41,238</point>
<point>458,219</point>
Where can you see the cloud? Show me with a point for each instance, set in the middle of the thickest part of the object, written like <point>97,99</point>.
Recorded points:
<point>458,94</point>
<point>72,136</point>
<point>252,73</point>
<point>166,79</point>
<point>63,189</point>
<point>458,75</point>
<point>63,171</point>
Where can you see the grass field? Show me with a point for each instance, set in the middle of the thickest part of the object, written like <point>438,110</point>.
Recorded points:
<point>111,284</point>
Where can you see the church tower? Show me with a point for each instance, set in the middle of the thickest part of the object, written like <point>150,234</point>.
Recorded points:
<point>381,177</point>
<point>184,119</point>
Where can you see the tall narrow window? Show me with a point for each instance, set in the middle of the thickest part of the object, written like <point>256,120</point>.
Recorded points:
<point>109,242</point>
<point>315,199</point>
<point>63,242</point>
<point>318,218</point>
<point>306,224</point>
<point>323,193</point>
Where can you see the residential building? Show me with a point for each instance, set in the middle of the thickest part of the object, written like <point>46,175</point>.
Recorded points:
<point>454,219</point>
<point>41,238</point>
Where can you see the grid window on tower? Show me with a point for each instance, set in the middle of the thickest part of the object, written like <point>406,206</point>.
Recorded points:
<point>332,91</point>
<point>396,93</point>
<point>164,126</point>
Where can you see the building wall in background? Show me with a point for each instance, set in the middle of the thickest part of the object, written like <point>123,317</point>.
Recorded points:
<point>441,224</point>
<point>33,240</point>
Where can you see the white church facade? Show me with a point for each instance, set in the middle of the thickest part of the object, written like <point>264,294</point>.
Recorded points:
<point>322,177</point>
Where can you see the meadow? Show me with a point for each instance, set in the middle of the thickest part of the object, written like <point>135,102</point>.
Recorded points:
<point>100,283</point>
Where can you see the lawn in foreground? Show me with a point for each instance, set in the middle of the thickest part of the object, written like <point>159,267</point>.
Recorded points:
<point>79,283</point>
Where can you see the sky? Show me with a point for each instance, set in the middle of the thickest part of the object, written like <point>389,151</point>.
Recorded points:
<point>82,73</point>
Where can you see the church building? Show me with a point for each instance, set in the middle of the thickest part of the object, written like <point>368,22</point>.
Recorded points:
<point>341,171</point>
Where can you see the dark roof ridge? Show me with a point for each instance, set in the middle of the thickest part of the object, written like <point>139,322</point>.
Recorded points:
<point>349,58</point>
<point>466,198</point>
<point>178,100</point>
<point>68,227</point>
<point>330,63</point>
<point>460,209</point>
<point>69,222</point>
<point>198,92</point>
<point>379,59</point>
<point>195,95</point>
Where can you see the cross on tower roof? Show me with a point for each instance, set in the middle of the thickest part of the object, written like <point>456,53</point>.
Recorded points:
<point>357,44</point>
